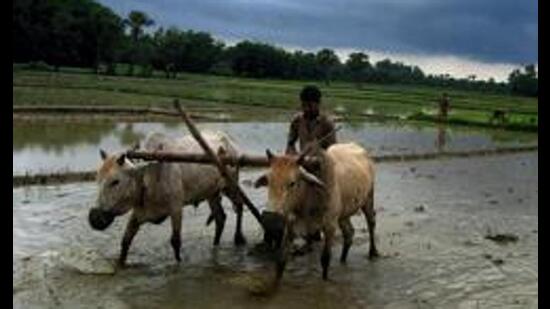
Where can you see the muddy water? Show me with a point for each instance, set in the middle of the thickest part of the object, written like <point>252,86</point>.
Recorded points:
<point>52,147</point>
<point>436,258</point>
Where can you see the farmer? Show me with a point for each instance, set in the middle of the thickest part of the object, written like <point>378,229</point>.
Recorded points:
<point>306,127</point>
<point>444,105</point>
<point>310,124</point>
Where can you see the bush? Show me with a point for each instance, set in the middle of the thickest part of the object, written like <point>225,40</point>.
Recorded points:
<point>146,71</point>
<point>37,66</point>
<point>130,70</point>
<point>111,69</point>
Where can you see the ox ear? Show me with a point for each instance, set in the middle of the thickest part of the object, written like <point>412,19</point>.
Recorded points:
<point>261,182</point>
<point>120,161</point>
<point>103,154</point>
<point>270,155</point>
<point>310,178</point>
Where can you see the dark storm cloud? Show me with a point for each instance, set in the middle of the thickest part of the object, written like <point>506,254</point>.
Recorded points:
<point>487,30</point>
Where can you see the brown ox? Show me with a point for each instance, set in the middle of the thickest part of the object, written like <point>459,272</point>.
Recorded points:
<point>307,203</point>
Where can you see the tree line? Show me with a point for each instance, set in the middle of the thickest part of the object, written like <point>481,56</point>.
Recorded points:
<point>84,33</point>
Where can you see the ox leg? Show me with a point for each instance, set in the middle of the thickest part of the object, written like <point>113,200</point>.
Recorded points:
<point>132,227</point>
<point>239,239</point>
<point>347,231</point>
<point>328,232</point>
<point>283,251</point>
<point>175,240</point>
<point>370,215</point>
<point>219,217</point>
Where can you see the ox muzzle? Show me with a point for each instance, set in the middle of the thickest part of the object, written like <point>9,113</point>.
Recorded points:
<point>274,227</point>
<point>100,219</point>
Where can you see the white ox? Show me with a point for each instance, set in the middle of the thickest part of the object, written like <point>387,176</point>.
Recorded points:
<point>155,191</point>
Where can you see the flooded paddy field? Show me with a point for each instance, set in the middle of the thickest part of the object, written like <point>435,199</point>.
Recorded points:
<point>435,256</point>
<point>53,146</point>
<point>433,226</point>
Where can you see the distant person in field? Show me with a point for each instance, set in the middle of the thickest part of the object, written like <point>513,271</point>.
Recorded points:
<point>444,106</point>
<point>310,125</point>
<point>499,117</point>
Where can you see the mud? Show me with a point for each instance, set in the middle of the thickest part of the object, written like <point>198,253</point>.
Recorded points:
<point>441,260</point>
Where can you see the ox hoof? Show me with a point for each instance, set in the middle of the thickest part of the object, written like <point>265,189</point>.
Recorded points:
<point>121,264</point>
<point>239,240</point>
<point>261,248</point>
<point>303,250</point>
<point>373,254</point>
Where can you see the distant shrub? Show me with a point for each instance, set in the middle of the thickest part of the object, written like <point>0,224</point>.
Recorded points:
<point>111,69</point>
<point>34,65</point>
<point>146,71</point>
<point>130,71</point>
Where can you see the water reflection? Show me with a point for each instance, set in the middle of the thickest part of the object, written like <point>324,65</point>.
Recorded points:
<point>441,136</point>
<point>48,146</point>
<point>128,136</point>
<point>55,137</point>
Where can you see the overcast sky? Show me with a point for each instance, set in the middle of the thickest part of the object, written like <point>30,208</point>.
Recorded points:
<point>460,37</point>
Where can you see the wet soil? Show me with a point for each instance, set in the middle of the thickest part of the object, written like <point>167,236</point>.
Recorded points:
<point>434,258</point>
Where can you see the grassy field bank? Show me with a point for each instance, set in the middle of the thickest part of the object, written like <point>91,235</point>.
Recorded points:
<point>78,87</point>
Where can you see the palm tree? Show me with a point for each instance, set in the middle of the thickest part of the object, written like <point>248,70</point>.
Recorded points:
<point>137,20</point>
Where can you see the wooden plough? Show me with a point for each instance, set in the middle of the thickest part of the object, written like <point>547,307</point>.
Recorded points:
<point>210,157</point>
<point>238,194</point>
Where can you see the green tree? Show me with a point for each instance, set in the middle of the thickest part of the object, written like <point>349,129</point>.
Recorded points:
<point>168,50</point>
<point>200,51</point>
<point>64,32</point>
<point>304,65</point>
<point>358,64</point>
<point>524,83</point>
<point>108,32</point>
<point>327,60</point>
<point>259,60</point>
<point>189,51</point>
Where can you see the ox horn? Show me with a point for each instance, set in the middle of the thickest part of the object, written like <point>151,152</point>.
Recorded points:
<point>309,177</point>
<point>269,154</point>
<point>120,161</point>
<point>103,154</point>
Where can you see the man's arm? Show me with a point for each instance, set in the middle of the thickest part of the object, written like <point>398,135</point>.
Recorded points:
<point>329,129</point>
<point>292,137</point>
